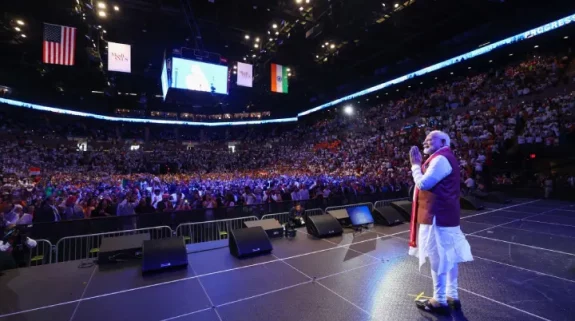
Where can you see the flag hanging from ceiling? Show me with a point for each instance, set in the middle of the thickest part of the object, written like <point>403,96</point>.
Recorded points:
<point>119,57</point>
<point>279,79</point>
<point>59,45</point>
<point>245,74</point>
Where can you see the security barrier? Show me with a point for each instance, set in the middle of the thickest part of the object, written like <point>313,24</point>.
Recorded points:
<point>314,211</point>
<point>41,254</point>
<point>211,230</point>
<point>281,217</point>
<point>87,246</point>
<point>388,202</point>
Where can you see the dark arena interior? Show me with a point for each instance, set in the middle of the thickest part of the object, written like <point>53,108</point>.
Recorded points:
<point>287,160</point>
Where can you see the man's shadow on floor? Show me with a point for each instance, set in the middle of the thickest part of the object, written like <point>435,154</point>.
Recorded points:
<point>454,316</point>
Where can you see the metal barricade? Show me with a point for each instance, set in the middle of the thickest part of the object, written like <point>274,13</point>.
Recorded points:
<point>383,203</point>
<point>41,254</point>
<point>314,211</point>
<point>281,217</point>
<point>87,246</point>
<point>211,230</point>
<point>332,208</point>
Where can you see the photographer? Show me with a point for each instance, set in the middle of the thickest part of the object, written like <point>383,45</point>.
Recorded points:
<point>15,245</point>
<point>296,216</point>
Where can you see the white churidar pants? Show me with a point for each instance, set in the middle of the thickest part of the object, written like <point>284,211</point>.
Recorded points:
<point>445,247</point>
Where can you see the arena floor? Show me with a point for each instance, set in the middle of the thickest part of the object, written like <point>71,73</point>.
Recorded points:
<point>524,269</point>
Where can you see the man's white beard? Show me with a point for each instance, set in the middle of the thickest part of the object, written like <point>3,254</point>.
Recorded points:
<point>428,151</point>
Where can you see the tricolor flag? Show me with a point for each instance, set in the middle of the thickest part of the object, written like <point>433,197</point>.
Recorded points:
<point>59,45</point>
<point>34,171</point>
<point>279,79</point>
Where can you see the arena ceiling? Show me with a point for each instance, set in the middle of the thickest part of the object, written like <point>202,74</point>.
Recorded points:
<point>330,45</point>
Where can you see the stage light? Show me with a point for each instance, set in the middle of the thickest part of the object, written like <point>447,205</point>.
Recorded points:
<point>490,61</point>
<point>274,26</point>
<point>255,45</point>
<point>235,67</point>
<point>116,8</point>
<point>452,72</point>
<point>396,5</point>
<point>348,110</point>
<point>468,67</point>
<point>16,28</point>
<point>566,37</point>
<point>102,14</point>
<point>244,58</point>
<point>271,39</point>
<point>289,74</point>
<point>300,8</point>
<point>306,1</point>
<point>510,55</point>
<point>247,37</point>
<point>20,22</point>
<point>288,69</point>
<point>383,4</point>
<point>253,56</point>
<point>327,43</point>
<point>234,72</point>
<point>277,33</point>
<point>323,46</point>
<point>257,39</point>
<point>101,5</point>
<point>332,46</point>
<point>23,36</point>
<point>298,1</point>
<point>316,56</point>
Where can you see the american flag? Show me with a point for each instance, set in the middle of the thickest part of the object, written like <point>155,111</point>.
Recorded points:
<point>59,45</point>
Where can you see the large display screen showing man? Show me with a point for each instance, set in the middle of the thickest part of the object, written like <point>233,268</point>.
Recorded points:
<point>200,76</point>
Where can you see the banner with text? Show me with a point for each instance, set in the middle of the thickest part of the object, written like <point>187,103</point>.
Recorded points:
<point>119,57</point>
<point>245,74</point>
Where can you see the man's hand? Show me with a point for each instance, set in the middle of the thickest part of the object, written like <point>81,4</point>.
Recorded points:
<point>415,156</point>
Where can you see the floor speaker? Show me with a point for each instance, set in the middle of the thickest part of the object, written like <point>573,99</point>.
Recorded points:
<point>249,241</point>
<point>404,208</point>
<point>272,227</point>
<point>162,254</point>
<point>341,216</point>
<point>387,215</point>
<point>323,226</point>
<point>470,203</point>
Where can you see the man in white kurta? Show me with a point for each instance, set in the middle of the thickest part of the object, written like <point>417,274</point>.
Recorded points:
<point>435,220</point>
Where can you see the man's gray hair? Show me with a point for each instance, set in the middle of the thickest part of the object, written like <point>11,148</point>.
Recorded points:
<point>443,136</point>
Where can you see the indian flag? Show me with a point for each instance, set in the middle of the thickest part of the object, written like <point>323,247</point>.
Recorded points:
<point>279,79</point>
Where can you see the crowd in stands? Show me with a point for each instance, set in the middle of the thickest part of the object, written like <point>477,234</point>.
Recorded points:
<point>337,156</point>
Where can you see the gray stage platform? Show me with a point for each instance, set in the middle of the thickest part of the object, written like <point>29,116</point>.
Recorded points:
<point>524,270</point>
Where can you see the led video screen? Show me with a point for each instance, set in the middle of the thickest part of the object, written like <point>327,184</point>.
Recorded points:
<point>199,76</point>
<point>359,215</point>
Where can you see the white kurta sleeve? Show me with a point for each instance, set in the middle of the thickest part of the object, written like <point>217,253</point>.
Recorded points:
<point>438,169</point>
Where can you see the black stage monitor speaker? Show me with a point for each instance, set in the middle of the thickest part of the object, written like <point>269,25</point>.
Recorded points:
<point>272,227</point>
<point>387,215</point>
<point>323,226</point>
<point>341,215</point>
<point>249,242</point>
<point>470,203</point>
<point>404,208</point>
<point>163,254</point>
<point>121,248</point>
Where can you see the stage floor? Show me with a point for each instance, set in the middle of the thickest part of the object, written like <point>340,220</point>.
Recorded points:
<point>524,269</point>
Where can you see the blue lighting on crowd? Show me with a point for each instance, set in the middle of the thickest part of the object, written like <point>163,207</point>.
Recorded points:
<point>472,54</point>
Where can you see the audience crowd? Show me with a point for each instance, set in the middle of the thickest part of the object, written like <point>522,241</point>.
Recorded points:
<point>47,177</point>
